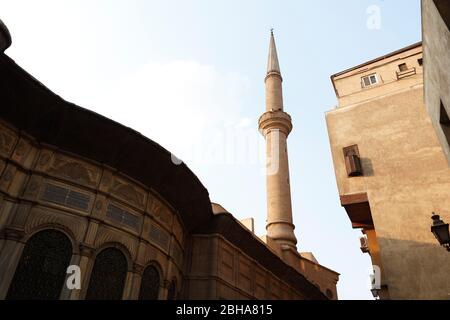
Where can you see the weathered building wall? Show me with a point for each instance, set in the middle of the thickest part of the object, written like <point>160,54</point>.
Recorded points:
<point>387,71</point>
<point>405,177</point>
<point>219,270</point>
<point>436,41</point>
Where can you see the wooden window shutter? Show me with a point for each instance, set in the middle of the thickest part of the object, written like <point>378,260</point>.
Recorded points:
<point>352,161</point>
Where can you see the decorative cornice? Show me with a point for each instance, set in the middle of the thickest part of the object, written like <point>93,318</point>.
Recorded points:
<point>273,74</point>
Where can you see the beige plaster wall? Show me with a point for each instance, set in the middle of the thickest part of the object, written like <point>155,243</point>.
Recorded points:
<point>348,85</point>
<point>405,176</point>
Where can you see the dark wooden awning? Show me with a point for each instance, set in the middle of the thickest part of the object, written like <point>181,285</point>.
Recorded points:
<point>358,210</point>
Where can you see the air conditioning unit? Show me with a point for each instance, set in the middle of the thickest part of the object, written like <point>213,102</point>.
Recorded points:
<point>364,244</point>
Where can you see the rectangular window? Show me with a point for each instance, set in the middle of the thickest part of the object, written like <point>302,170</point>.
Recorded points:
<point>402,67</point>
<point>123,217</point>
<point>369,80</point>
<point>420,61</point>
<point>66,197</point>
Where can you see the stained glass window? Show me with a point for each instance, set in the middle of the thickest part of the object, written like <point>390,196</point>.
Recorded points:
<point>108,276</point>
<point>42,268</point>
<point>150,284</point>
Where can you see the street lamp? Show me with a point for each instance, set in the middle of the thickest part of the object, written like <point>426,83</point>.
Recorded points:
<point>375,293</point>
<point>374,288</point>
<point>441,231</point>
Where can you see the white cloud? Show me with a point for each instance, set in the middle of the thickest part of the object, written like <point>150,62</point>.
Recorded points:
<point>180,104</point>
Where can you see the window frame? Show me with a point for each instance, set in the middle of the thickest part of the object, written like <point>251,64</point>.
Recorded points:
<point>369,78</point>
<point>403,67</point>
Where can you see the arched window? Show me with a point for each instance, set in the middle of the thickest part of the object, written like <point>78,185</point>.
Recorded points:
<point>172,291</point>
<point>108,276</point>
<point>42,268</point>
<point>150,284</point>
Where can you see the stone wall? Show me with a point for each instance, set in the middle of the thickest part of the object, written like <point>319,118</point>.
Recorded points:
<point>42,187</point>
<point>219,270</point>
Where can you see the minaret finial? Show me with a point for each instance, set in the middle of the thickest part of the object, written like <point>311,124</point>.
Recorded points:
<point>271,32</point>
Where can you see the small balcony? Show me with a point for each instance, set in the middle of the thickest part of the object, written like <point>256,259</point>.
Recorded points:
<point>406,73</point>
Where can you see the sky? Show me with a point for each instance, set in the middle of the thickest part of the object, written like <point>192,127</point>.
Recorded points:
<point>190,76</point>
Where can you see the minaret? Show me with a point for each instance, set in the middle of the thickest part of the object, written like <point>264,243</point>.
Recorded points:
<point>275,125</point>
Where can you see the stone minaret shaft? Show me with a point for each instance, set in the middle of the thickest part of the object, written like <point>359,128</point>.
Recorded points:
<point>275,125</point>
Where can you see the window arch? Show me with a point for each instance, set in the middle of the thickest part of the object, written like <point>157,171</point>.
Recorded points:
<point>108,275</point>
<point>172,291</point>
<point>42,268</point>
<point>150,284</point>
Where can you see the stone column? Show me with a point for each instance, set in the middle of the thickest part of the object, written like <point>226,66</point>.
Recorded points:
<point>71,294</point>
<point>9,258</point>
<point>164,290</point>
<point>86,263</point>
<point>133,283</point>
<point>127,290</point>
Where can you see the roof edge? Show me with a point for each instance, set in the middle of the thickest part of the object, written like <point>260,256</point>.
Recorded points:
<point>393,53</point>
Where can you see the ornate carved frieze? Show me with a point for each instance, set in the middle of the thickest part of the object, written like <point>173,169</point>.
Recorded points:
<point>33,187</point>
<point>106,181</point>
<point>7,140</point>
<point>2,166</point>
<point>74,170</point>
<point>128,193</point>
<point>21,151</point>
<point>7,177</point>
<point>44,160</point>
<point>159,211</point>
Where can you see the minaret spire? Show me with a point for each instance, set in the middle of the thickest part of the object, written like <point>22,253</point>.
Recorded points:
<point>275,125</point>
<point>272,63</point>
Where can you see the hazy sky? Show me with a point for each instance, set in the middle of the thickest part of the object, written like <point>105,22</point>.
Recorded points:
<point>190,75</point>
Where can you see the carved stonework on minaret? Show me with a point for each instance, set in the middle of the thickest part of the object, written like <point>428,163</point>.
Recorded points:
<point>275,125</point>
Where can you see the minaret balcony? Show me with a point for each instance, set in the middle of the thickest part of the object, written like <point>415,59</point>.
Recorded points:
<point>273,120</point>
